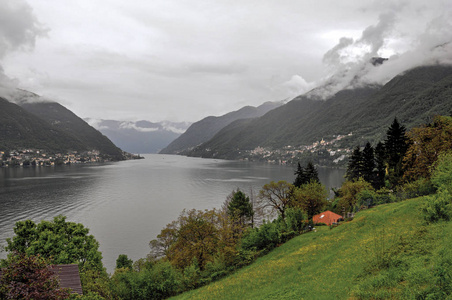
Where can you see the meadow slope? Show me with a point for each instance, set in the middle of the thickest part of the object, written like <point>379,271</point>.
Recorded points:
<point>386,252</point>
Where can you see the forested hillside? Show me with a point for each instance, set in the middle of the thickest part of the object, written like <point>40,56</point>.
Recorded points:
<point>60,117</point>
<point>205,129</point>
<point>413,97</point>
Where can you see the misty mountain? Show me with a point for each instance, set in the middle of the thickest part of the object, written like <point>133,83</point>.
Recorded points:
<point>31,122</point>
<point>414,97</point>
<point>141,136</point>
<point>202,131</point>
<point>21,129</point>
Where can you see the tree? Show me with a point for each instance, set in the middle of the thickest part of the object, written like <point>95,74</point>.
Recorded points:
<point>368,167</point>
<point>311,198</point>
<point>396,147</point>
<point>29,277</point>
<point>380,164</point>
<point>348,194</point>
<point>196,238</point>
<point>300,178</point>
<point>277,196</point>
<point>355,165</point>
<point>239,208</point>
<point>123,262</point>
<point>426,144</point>
<point>305,175</point>
<point>168,235</point>
<point>311,173</point>
<point>60,241</point>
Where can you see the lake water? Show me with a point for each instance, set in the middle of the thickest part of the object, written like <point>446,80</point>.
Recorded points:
<point>126,204</point>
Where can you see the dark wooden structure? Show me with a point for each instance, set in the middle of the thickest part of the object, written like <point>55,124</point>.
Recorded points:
<point>68,277</point>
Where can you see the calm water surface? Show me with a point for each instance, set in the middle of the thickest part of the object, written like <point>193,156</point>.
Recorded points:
<point>126,204</point>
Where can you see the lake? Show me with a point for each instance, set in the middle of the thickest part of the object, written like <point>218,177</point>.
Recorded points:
<point>126,204</point>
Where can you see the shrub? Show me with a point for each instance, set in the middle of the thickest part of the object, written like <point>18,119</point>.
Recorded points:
<point>265,237</point>
<point>442,173</point>
<point>438,207</point>
<point>385,195</point>
<point>417,188</point>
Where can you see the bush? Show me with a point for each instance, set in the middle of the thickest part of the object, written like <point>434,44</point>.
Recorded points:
<point>265,237</point>
<point>417,188</point>
<point>442,173</point>
<point>438,207</point>
<point>159,282</point>
<point>385,195</point>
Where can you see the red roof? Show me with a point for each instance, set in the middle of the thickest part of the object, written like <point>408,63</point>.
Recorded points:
<point>327,217</point>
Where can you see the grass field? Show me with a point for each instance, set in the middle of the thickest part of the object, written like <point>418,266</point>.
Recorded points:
<point>386,252</point>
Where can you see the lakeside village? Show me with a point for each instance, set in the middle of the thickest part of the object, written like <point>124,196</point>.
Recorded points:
<point>327,153</point>
<point>33,157</point>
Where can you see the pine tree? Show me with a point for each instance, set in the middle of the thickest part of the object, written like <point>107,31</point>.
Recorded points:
<point>396,147</point>
<point>355,165</point>
<point>301,176</point>
<point>368,159</point>
<point>311,173</point>
<point>380,164</point>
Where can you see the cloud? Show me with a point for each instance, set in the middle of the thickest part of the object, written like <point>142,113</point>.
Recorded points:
<point>19,27</point>
<point>19,30</point>
<point>349,62</point>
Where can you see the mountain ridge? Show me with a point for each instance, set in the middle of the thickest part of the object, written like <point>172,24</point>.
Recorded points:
<point>413,97</point>
<point>206,128</point>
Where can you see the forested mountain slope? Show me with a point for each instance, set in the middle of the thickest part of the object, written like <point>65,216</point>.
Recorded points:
<point>21,129</point>
<point>60,117</point>
<point>201,131</point>
<point>413,97</point>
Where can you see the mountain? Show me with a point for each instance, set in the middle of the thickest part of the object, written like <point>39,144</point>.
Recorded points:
<point>366,112</point>
<point>22,129</point>
<point>204,130</point>
<point>31,122</point>
<point>141,136</point>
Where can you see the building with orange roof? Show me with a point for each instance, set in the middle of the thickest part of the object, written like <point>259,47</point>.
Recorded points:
<point>327,217</point>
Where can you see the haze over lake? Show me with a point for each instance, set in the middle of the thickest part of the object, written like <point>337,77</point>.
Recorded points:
<point>126,204</point>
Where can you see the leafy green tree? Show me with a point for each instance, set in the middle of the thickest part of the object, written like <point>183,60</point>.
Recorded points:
<point>197,237</point>
<point>426,144</point>
<point>29,277</point>
<point>348,194</point>
<point>124,262</point>
<point>167,237</point>
<point>60,241</point>
<point>240,208</point>
<point>276,196</point>
<point>311,198</point>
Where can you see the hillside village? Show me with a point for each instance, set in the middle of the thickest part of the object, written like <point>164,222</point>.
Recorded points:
<point>34,157</point>
<point>290,155</point>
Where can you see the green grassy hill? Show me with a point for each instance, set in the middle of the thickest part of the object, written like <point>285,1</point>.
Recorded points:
<point>386,252</point>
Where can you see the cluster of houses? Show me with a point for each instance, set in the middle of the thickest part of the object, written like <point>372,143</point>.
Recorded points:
<point>290,153</point>
<point>33,157</point>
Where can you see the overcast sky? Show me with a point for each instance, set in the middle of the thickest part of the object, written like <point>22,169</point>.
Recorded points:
<point>184,60</point>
